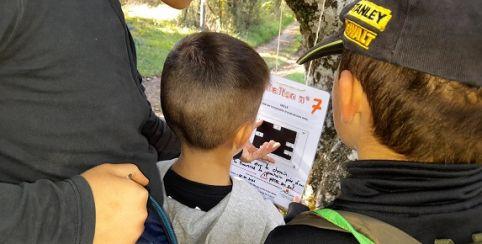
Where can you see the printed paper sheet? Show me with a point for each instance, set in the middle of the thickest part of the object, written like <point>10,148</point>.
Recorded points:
<point>294,115</point>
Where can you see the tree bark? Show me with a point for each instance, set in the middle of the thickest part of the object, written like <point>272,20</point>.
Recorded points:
<point>327,170</point>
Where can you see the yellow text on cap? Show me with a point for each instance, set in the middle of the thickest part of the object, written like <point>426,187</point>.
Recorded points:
<point>371,14</point>
<point>358,34</point>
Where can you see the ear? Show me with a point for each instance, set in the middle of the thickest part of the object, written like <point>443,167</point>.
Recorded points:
<point>242,134</point>
<point>350,94</point>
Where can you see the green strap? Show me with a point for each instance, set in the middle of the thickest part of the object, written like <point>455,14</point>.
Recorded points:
<point>337,219</point>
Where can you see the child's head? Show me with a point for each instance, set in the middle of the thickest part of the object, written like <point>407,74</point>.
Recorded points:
<point>420,116</point>
<point>211,90</point>
<point>410,80</point>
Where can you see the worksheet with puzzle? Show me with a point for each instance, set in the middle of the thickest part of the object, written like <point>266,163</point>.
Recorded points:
<point>293,115</point>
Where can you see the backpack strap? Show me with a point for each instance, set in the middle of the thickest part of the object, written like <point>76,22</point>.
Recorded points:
<point>443,241</point>
<point>311,219</point>
<point>477,238</point>
<point>364,228</point>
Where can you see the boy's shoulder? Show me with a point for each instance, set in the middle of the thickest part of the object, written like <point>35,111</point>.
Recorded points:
<point>164,166</point>
<point>246,215</point>
<point>241,188</point>
<point>249,201</point>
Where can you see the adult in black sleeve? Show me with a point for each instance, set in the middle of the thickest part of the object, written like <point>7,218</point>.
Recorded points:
<point>71,100</point>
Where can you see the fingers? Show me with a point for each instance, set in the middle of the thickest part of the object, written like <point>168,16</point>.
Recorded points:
<point>258,123</point>
<point>297,199</point>
<point>273,146</point>
<point>251,153</point>
<point>265,149</point>
<point>269,147</point>
<point>139,178</point>
<point>130,171</point>
<point>268,159</point>
<point>249,147</point>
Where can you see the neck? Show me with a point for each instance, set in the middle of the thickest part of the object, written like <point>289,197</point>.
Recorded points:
<point>210,167</point>
<point>373,150</point>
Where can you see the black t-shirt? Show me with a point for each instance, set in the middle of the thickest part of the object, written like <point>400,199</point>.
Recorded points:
<point>193,194</point>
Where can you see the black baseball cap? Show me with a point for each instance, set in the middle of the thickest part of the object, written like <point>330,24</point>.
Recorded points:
<point>439,37</point>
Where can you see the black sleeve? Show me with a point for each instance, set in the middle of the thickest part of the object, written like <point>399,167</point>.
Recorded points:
<point>293,234</point>
<point>10,16</point>
<point>161,137</point>
<point>47,212</point>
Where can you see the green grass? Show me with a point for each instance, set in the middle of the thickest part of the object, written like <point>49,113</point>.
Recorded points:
<point>271,60</point>
<point>154,39</point>
<point>267,29</point>
<point>296,76</point>
<point>285,53</point>
<point>294,46</point>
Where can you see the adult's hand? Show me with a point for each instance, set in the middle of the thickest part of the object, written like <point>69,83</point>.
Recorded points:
<point>120,202</point>
<point>179,4</point>
<point>251,153</point>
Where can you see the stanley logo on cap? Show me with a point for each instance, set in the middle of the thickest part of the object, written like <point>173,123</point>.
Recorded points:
<point>366,12</point>
<point>371,14</point>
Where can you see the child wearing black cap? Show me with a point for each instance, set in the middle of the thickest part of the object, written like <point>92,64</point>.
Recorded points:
<point>408,99</point>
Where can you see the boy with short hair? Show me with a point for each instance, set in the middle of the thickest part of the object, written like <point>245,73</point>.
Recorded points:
<point>211,89</point>
<point>409,100</point>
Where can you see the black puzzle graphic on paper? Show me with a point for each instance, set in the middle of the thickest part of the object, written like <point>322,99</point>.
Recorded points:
<point>286,137</point>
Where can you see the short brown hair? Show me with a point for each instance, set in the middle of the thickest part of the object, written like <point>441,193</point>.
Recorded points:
<point>211,84</point>
<point>421,116</point>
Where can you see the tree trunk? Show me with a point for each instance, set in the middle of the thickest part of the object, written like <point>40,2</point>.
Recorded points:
<point>327,170</point>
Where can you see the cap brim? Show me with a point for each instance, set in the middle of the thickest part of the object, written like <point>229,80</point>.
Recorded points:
<point>329,46</point>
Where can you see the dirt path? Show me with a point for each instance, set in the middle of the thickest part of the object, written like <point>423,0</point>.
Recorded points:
<point>288,36</point>
<point>153,90</point>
